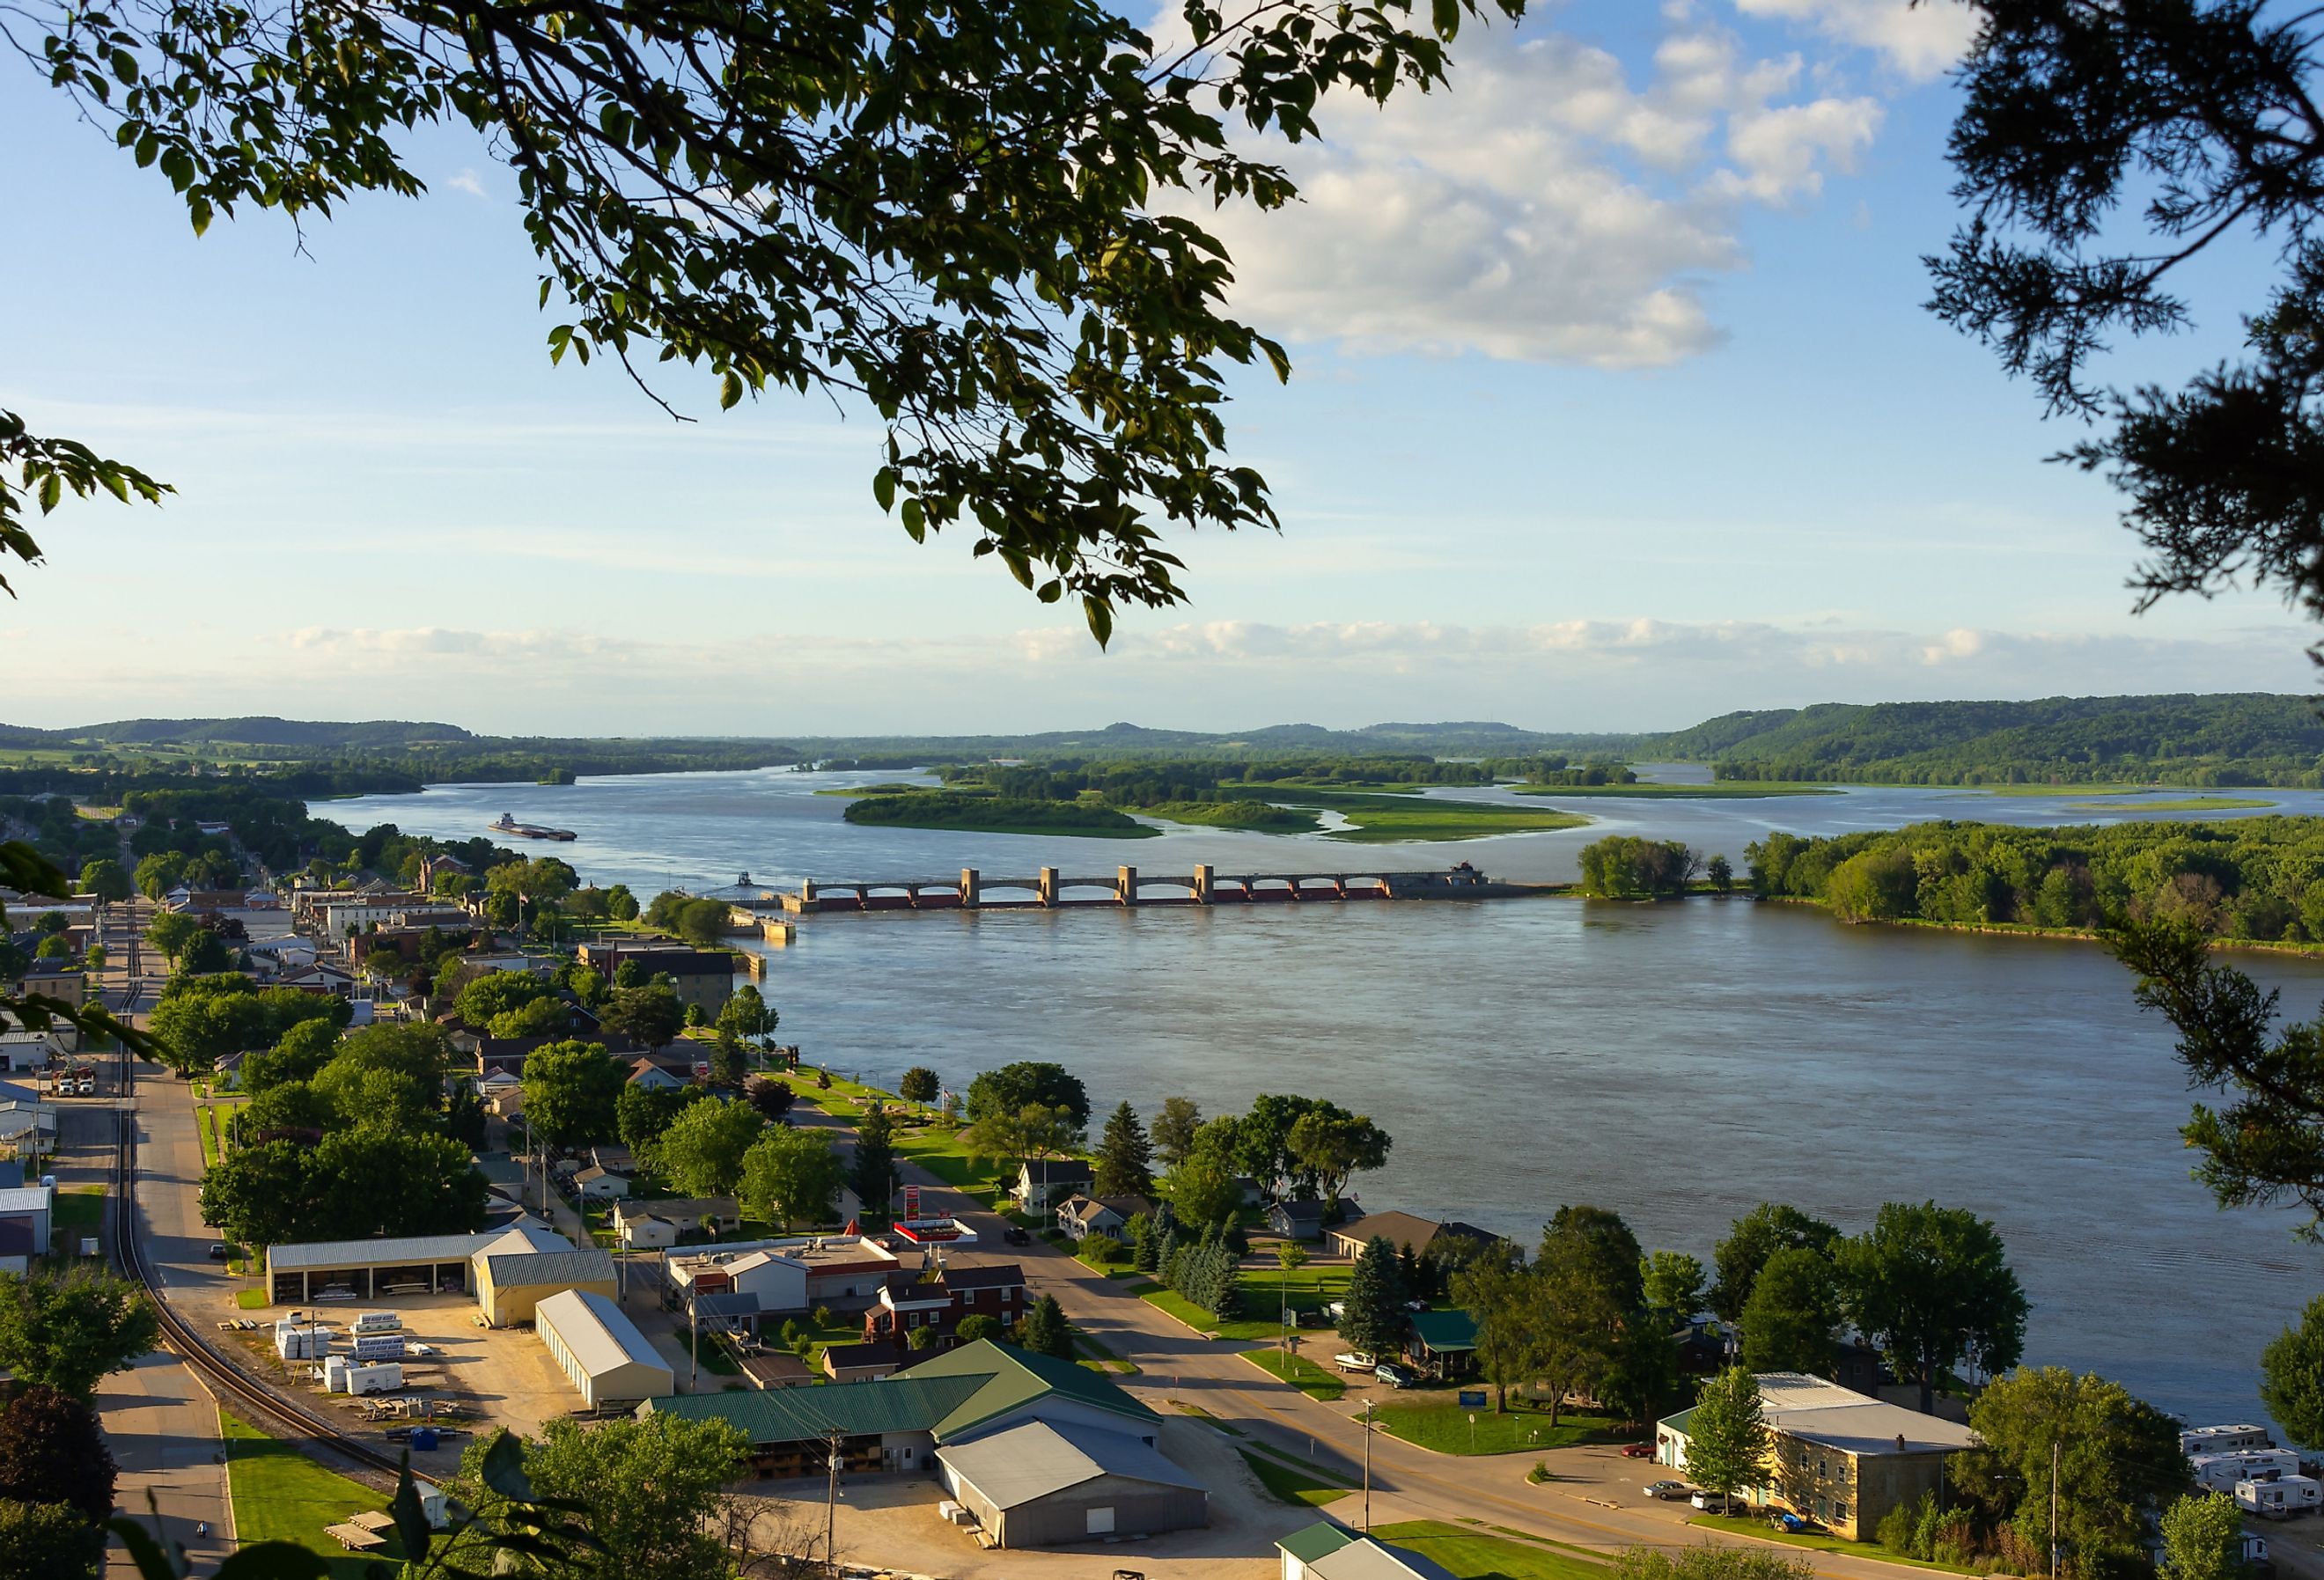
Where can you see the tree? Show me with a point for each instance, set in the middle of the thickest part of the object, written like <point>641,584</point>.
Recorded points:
<point>206,951</point>
<point>726,1064</point>
<point>650,1486</point>
<point>171,932</point>
<point>571,1090</point>
<point>258,1194</point>
<point>1123,1156</point>
<point>1721,874</point>
<point>1726,1436</point>
<point>1373,1317</point>
<point>1596,1246</point>
<point>2203,1537</point>
<point>1046,1330</point>
<point>197,1029</point>
<point>104,879</point>
<point>919,1085</point>
<point>52,1451</point>
<point>629,974</point>
<point>791,1176</point>
<point>376,1180</point>
<point>748,1015</point>
<point>497,994</point>
<point>1791,1321</point>
<point>68,1331</point>
<point>543,1017</point>
<point>49,1540</point>
<point>1932,1288</point>
<point>1752,1239</point>
<point>2291,1378</point>
<point>620,904</point>
<point>1500,1296</point>
<point>1044,335</point>
<point>287,1107</point>
<point>1706,1562</point>
<point>2207,116</point>
<point>2115,1458</point>
<point>1026,1084</point>
<point>703,1150</point>
<point>641,1112</point>
<point>1672,1282</point>
<point>649,1015</point>
<point>1203,1190</point>
<point>1585,1292</point>
<point>1328,1146</point>
<point>1174,1130</point>
<point>873,1170</point>
<point>980,1325</point>
<point>770,1096</point>
<point>52,948</point>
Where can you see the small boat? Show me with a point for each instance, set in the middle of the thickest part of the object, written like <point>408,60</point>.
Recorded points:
<point>509,824</point>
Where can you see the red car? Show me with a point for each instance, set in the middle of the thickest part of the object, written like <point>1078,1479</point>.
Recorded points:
<point>1638,1451</point>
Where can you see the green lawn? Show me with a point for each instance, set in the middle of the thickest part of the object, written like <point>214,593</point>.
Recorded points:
<point>205,1117</point>
<point>79,1211</point>
<point>1816,1541</point>
<point>1379,820</point>
<point>1442,1424</point>
<point>252,1299</point>
<point>1184,1309</point>
<point>1475,1557</point>
<point>1265,1290</point>
<point>1290,1485</point>
<point>1299,1371</point>
<point>282,1495</point>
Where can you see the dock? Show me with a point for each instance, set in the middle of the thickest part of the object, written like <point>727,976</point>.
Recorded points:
<point>1051,889</point>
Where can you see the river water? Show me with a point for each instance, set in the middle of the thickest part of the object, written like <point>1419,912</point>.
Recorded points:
<point>1676,1062</point>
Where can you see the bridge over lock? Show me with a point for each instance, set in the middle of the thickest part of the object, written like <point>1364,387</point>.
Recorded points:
<point>1052,888</point>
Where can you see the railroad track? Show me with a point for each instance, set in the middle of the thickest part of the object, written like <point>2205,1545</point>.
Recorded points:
<point>321,1437</point>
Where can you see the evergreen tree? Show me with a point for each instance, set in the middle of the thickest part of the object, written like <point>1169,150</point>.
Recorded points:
<point>1124,1156</point>
<point>2291,1378</point>
<point>873,1173</point>
<point>1408,1271</point>
<point>1167,1253</point>
<point>1046,1332</point>
<point>1375,1316</point>
<point>1144,1237</point>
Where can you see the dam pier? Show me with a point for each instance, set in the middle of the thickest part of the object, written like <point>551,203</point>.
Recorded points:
<point>1052,888</point>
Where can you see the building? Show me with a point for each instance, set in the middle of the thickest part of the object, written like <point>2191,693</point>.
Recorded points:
<point>1442,1342</point>
<point>612,1364</point>
<point>1042,1183</point>
<point>597,1184</point>
<point>926,1420</point>
<point>509,1269</point>
<point>1325,1551</point>
<point>656,1225</point>
<point>698,976</point>
<point>520,1268</point>
<point>1047,1481</point>
<point>864,1363</point>
<point>944,1299</point>
<point>1836,1456</point>
<point>791,1275</point>
<point>32,1207</point>
<point>1296,1220</point>
<point>653,1077</point>
<point>1080,1216</point>
<point>1401,1230</point>
<point>30,1050</point>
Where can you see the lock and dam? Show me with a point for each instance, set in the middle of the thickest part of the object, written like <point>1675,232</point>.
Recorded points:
<point>1052,888</point>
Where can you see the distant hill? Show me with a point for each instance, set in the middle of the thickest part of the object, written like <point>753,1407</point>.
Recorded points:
<point>267,731</point>
<point>2234,738</point>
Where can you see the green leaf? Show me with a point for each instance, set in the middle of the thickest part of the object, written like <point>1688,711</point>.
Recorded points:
<point>1100,617</point>
<point>274,1560</point>
<point>730,390</point>
<point>883,487</point>
<point>410,1519</point>
<point>503,1470</point>
<point>916,520</point>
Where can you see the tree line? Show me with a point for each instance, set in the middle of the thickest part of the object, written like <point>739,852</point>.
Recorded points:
<point>2254,878</point>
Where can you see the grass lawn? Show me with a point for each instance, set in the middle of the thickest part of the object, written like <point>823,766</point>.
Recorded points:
<point>1815,1541</point>
<point>1379,820</point>
<point>1184,1309</point>
<point>282,1495</point>
<point>2192,804</point>
<point>1299,1372</point>
<point>1475,1557</point>
<point>252,1299</point>
<point>1265,1290</point>
<point>79,1211</point>
<point>1444,1426</point>
<point>207,1119</point>
<point>1290,1485</point>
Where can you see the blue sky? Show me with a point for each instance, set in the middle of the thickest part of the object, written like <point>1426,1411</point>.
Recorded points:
<point>1614,406</point>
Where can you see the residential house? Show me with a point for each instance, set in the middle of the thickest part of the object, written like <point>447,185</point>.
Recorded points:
<point>865,1362</point>
<point>1401,1230</point>
<point>653,1077</point>
<point>1296,1220</point>
<point>596,1184</point>
<point>1108,1215</point>
<point>1838,1457</point>
<point>652,1224</point>
<point>945,1298</point>
<point>795,1273</point>
<point>615,1160</point>
<point>1443,1343</point>
<point>1042,1183</point>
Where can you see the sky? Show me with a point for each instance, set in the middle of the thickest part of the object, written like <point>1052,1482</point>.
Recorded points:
<point>1614,407</point>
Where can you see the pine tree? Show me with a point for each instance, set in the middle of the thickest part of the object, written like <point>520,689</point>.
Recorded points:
<point>1143,1239</point>
<point>873,1173</point>
<point>1045,1331</point>
<point>1123,1156</point>
<point>1376,1317</point>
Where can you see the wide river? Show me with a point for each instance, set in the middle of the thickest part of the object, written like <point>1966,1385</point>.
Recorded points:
<point>1676,1062</point>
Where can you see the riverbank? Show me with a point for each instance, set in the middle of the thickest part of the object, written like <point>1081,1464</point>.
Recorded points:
<point>1370,816</point>
<point>2014,930</point>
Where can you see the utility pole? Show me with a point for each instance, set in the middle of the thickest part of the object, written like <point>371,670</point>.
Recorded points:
<point>1369,1409</point>
<point>831,1511</point>
<point>2053,1510</point>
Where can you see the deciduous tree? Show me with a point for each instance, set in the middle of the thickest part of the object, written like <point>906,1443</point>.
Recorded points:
<point>1502,1298</point>
<point>1726,1436</point>
<point>652,1486</point>
<point>570,1093</point>
<point>1672,1283</point>
<point>2291,1378</point>
<point>650,1015</point>
<point>51,1451</point>
<point>1932,1288</point>
<point>372,1180</point>
<point>919,1085</point>
<point>1752,1239</point>
<point>791,1176</point>
<point>703,1150</point>
<point>68,1331</point>
<point>49,1540</point>
<point>259,1194</point>
<point>1014,1087</point>
<point>2203,1537</point>
<point>1174,1130</point>
<point>1791,1321</point>
<point>104,879</point>
<point>1328,1145</point>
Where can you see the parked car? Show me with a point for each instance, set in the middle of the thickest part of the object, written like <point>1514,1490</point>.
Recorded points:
<point>1638,1451</point>
<point>1670,1492</point>
<point>1017,1235</point>
<point>218,1252</point>
<point>1394,1375</point>
<point>87,1088</point>
<point>1712,1503</point>
<point>1354,1361</point>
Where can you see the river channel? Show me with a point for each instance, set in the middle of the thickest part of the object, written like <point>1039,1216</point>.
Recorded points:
<point>1676,1062</point>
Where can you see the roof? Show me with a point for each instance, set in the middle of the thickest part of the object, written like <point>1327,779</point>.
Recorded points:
<point>999,1275</point>
<point>1446,1331</point>
<point>1316,1541</point>
<point>25,1199</point>
<point>1025,1463</point>
<point>1060,1171</point>
<point>1817,1411</point>
<point>1299,1211</point>
<point>598,1334</point>
<point>872,1352</point>
<point>1087,1207</point>
<point>1410,1229</point>
<point>1368,1558</point>
<point>1016,1376</point>
<point>328,1254</point>
<point>519,1267</point>
<point>726,1303</point>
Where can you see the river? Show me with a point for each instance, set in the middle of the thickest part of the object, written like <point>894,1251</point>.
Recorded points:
<point>1677,1062</point>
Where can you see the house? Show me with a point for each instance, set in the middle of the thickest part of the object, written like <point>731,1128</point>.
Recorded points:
<point>596,1184</point>
<point>798,1273</point>
<point>319,979</point>
<point>1042,1183</point>
<point>655,1224</point>
<point>1443,1343</point>
<point>226,1075</point>
<point>864,1363</point>
<point>653,1077</point>
<point>1081,1216</point>
<point>1067,1455</point>
<point>1841,1458</point>
<point>615,1160</point>
<point>1296,1220</point>
<point>1401,1230</point>
<point>262,899</point>
<point>944,1301</point>
<point>1328,1551</point>
<point>601,1350</point>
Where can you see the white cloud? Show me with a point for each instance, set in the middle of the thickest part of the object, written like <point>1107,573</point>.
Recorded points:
<point>470,183</point>
<point>1919,41</point>
<point>1542,206</point>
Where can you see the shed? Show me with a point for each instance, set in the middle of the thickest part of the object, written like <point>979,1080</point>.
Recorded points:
<point>1296,1220</point>
<point>1047,1481</point>
<point>512,1279</point>
<point>600,1349</point>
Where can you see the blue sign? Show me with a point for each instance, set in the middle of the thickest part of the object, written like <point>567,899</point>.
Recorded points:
<point>1473,1402</point>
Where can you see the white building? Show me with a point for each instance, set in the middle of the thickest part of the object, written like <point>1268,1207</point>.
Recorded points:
<point>30,1205</point>
<point>601,1350</point>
